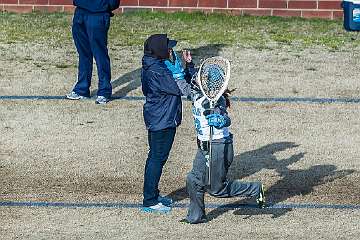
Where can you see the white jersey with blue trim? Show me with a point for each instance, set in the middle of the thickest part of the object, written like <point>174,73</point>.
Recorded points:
<point>201,123</point>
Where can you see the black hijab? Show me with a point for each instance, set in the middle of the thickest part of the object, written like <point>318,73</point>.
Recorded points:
<point>157,46</point>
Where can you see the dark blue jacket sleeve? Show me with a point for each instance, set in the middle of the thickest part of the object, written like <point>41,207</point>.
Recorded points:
<point>167,83</point>
<point>160,80</point>
<point>114,4</point>
<point>96,6</point>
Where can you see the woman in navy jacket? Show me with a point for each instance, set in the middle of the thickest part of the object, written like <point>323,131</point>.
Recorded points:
<point>162,114</point>
<point>90,28</point>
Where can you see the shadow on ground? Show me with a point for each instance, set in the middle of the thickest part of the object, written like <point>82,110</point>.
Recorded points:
<point>292,182</point>
<point>131,80</point>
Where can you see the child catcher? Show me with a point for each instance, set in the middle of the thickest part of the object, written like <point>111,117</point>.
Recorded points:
<point>197,182</point>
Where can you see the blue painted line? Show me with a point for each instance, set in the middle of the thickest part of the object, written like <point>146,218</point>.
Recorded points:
<point>181,206</point>
<point>31,97</point>
<point>69,205</point>
<point>295,100</point>
<point>235,99</point>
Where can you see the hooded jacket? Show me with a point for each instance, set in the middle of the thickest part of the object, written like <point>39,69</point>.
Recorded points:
<point>97,6</point>
<point>163,107</point>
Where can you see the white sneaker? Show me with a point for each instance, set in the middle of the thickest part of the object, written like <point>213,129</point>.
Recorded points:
<point>74,96</point>
<point>101,100</point>
<point>158,208</point>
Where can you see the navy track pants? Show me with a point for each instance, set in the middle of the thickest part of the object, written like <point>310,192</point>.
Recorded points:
<point>90,34</point>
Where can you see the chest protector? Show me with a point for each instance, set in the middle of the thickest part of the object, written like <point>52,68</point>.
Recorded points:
<point>201,124</point>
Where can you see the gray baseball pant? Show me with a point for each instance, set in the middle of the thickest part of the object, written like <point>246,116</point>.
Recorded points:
<point>197,179</point>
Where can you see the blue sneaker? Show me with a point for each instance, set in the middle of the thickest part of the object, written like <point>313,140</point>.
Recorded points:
<point>158,208</point>
<point>165,201</point>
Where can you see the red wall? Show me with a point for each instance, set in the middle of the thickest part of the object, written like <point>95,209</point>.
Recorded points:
<point>330,9</point>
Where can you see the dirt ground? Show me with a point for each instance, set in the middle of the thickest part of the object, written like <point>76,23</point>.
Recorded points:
<point>28,69</point>
<point>66,151</point>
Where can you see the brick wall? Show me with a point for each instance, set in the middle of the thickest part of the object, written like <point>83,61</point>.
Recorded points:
<point>330,9</point>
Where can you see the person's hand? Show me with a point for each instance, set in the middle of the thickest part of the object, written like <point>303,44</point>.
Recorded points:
<point>186,54</point>
<point>216,120</point>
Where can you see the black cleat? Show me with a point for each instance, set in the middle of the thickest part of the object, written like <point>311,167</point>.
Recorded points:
<point>261,199</point>
<point>202,220</point>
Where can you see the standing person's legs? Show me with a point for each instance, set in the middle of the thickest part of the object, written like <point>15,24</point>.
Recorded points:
<point>195,185</point>
<point>220,186</point>
<point>97,27</point>
<point>160,143</point>
<point>81,40</point>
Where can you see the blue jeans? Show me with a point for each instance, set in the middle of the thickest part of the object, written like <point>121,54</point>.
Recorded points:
<point>160,143</point>
<point>90,34</point>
